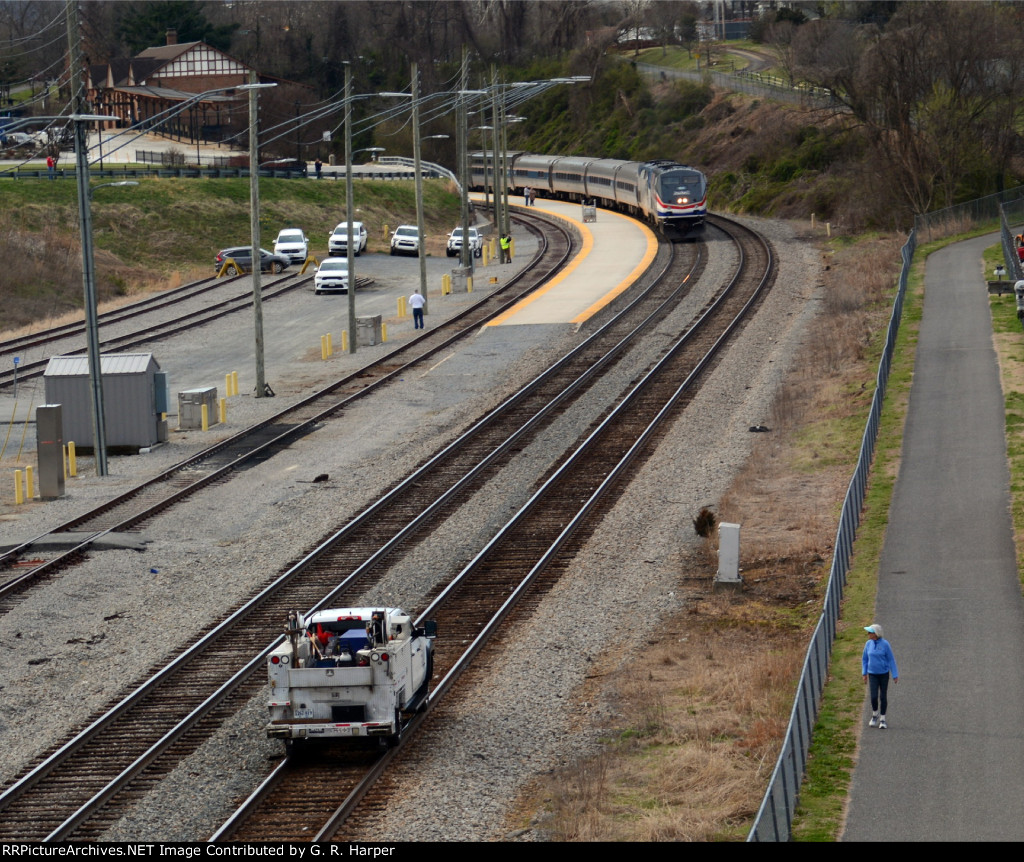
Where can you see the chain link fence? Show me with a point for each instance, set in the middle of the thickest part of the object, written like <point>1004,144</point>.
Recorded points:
<point>774,819</point>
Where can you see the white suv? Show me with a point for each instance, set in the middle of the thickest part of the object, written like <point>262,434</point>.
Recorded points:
<point>405,240</point>
<point>332,275</point>
<point>337,242</point>
<point>292,244</point>
<point>454,248</point>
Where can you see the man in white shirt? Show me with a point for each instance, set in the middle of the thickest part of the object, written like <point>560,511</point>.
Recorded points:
<point>416,302</point>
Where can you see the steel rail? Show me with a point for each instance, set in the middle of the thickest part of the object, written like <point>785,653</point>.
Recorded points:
<point>256,664</point>
<point>306,425</point>
<point>166,328</point>
<point>448,681</point>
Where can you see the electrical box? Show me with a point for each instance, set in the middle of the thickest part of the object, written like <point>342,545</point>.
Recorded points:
<point>368,331</point>
<point>728,555</point>
<point>50,447</point>
<point>190,408</point>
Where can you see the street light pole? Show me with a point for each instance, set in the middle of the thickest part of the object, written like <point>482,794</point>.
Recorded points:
<point>99,425</point>
<point>417,169</point>
<point>462,122</point>
<point>496,141</point>
<point>254,226</point>
<point>348,211</point>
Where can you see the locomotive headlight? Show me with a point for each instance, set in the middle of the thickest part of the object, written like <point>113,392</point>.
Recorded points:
<point>682,200</point>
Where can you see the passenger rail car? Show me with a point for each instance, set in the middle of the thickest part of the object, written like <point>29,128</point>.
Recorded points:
<point>670,196</point>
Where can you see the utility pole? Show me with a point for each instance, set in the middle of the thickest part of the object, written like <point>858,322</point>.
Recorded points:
<point>463,133</point>
<point>99,423</point>
<point>254,227</point>
<point>349,211</point>
<point>419,182</point>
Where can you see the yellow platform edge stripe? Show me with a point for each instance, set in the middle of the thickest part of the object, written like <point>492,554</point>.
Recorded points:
<point>588,244</point>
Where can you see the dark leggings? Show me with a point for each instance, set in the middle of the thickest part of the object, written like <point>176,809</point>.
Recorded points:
<point>878,683</point>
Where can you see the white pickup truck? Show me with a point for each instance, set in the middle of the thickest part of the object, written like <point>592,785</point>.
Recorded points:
<point>348,672</point>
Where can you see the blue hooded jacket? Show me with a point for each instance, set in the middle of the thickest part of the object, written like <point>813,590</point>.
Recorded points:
<point>878,658</point>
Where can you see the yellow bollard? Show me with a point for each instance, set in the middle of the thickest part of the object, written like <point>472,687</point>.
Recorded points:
<point>828,228</point>
<point>402,310</point>
<point>222,411</point>
<point>446,284</point>
<point>18,495</point>
<point>383,332</point>
<point>30,486</point>
<point>206,417</point>
<point>330,344</point>
<point>469,284</point>
<point>73,458</point>
<point>485,255</point>
<point>323,347</point>
<point>234,382</point>
<point>344,341</point>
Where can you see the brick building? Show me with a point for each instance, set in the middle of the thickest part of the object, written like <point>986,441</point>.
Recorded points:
<point>140,90</point>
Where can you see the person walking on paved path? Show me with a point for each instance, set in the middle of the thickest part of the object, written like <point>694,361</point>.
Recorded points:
<point>877,663</point>
<point>416,302</point>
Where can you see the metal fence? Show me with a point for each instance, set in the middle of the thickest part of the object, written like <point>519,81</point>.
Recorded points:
<point>774,819</point>
<point>176,158</point>
<point>1008,240</point>
<point>751,83</point>
<point>963,217</point>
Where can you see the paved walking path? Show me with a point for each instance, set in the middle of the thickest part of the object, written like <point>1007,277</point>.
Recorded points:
<point>951,765</point>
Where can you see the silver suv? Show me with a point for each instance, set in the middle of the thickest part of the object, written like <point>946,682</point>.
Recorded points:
<point>405,240</point>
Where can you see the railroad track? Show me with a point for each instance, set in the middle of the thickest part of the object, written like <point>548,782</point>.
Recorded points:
<point>521,562</point>
<point>59,777</point>
<point>261,441</point>
<point>68,339</point>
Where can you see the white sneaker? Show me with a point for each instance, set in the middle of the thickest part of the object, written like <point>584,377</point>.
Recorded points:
<point>881,723</point>
<point>874,720</point>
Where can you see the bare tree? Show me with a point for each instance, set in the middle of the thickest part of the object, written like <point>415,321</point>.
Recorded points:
<point>933,89</point>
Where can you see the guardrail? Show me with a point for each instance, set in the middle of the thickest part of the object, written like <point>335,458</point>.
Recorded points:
<point>397,172</point>
<point>774,821</point>
<point>133,173</point>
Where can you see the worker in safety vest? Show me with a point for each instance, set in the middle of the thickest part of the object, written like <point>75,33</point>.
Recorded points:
<point>506,248</point>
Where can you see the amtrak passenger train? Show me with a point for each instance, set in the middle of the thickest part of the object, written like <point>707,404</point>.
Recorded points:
<point>669,195</point>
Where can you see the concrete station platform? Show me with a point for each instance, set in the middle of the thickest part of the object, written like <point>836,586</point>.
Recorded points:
<point>616,250</point>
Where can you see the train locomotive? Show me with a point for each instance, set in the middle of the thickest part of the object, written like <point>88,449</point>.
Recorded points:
<point>668,195</point>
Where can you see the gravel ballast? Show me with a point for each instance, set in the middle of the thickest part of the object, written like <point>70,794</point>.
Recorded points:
<point>112,618</point>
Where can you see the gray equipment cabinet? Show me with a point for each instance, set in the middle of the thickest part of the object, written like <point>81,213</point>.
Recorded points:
<point>129,398</point>
<point>190,408</point>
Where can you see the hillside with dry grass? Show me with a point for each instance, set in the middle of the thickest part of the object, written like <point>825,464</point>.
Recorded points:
<point>164,232</point>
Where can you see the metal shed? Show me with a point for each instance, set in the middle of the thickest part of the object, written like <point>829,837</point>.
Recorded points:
<point>134,396</point>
